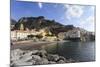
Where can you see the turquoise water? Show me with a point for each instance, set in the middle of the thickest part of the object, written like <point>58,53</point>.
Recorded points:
<point>79,51</point>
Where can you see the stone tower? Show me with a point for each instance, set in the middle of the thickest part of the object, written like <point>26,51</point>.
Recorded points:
<point>21,27</point>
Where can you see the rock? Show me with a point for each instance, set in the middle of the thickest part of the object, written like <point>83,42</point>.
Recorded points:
<point>36,57</point>
<point>33,61</point>
<point>16,54</point>
<point>35,52</point>
<point>61,61</point>
<point>42,53</point>
<point>42,61</point>
<point>62,58</point>
<point>29,53</point>
<point>26,58</point>
<point>53,57</point>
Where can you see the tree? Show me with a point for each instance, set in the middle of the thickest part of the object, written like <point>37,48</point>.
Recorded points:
<point>39,36</point>
<point>30,36</point>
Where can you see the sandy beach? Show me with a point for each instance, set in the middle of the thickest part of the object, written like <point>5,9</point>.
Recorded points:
<point>30,45</point>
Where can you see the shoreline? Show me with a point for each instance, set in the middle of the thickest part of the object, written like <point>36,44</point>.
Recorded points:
<point>37,42</point>
<point>29,44</point>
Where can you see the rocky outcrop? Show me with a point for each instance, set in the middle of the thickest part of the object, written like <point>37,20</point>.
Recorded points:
<point>77,34</point>
<point>36,22</point>
<point>35,57</point>
<point>71,35</point>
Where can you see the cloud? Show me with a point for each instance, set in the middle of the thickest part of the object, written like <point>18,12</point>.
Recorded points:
<point>92,8</point>
<point>40,5</point>
<point>66,6</point>
<point>88,24</point>
<point>78,15</point>
<point>73,11</point>
<point>90,19</point>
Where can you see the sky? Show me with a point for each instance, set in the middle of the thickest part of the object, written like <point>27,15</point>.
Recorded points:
<point>67,14</point>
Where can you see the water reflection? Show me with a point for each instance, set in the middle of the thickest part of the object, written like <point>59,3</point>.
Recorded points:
<point>81,51</point>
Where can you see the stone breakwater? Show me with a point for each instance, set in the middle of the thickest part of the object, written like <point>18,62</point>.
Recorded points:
<point>35,57</point>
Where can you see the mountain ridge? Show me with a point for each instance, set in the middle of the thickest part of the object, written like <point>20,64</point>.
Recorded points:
<point>54,27</point>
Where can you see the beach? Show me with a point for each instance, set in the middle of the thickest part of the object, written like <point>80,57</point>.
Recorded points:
<point>30,44</point>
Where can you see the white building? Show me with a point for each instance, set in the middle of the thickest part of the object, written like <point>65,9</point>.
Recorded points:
<point>70,34</point>
<point>73,33</point>
<point>17,34</point>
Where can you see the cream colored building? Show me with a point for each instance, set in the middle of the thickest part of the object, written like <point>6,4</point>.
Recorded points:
<point>17,34</point>
<point>23,34</point>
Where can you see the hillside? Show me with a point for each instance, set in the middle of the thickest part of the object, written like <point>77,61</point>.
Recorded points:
<point>40,22</point>
<point>37,22</point>
<point>59,30</point>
